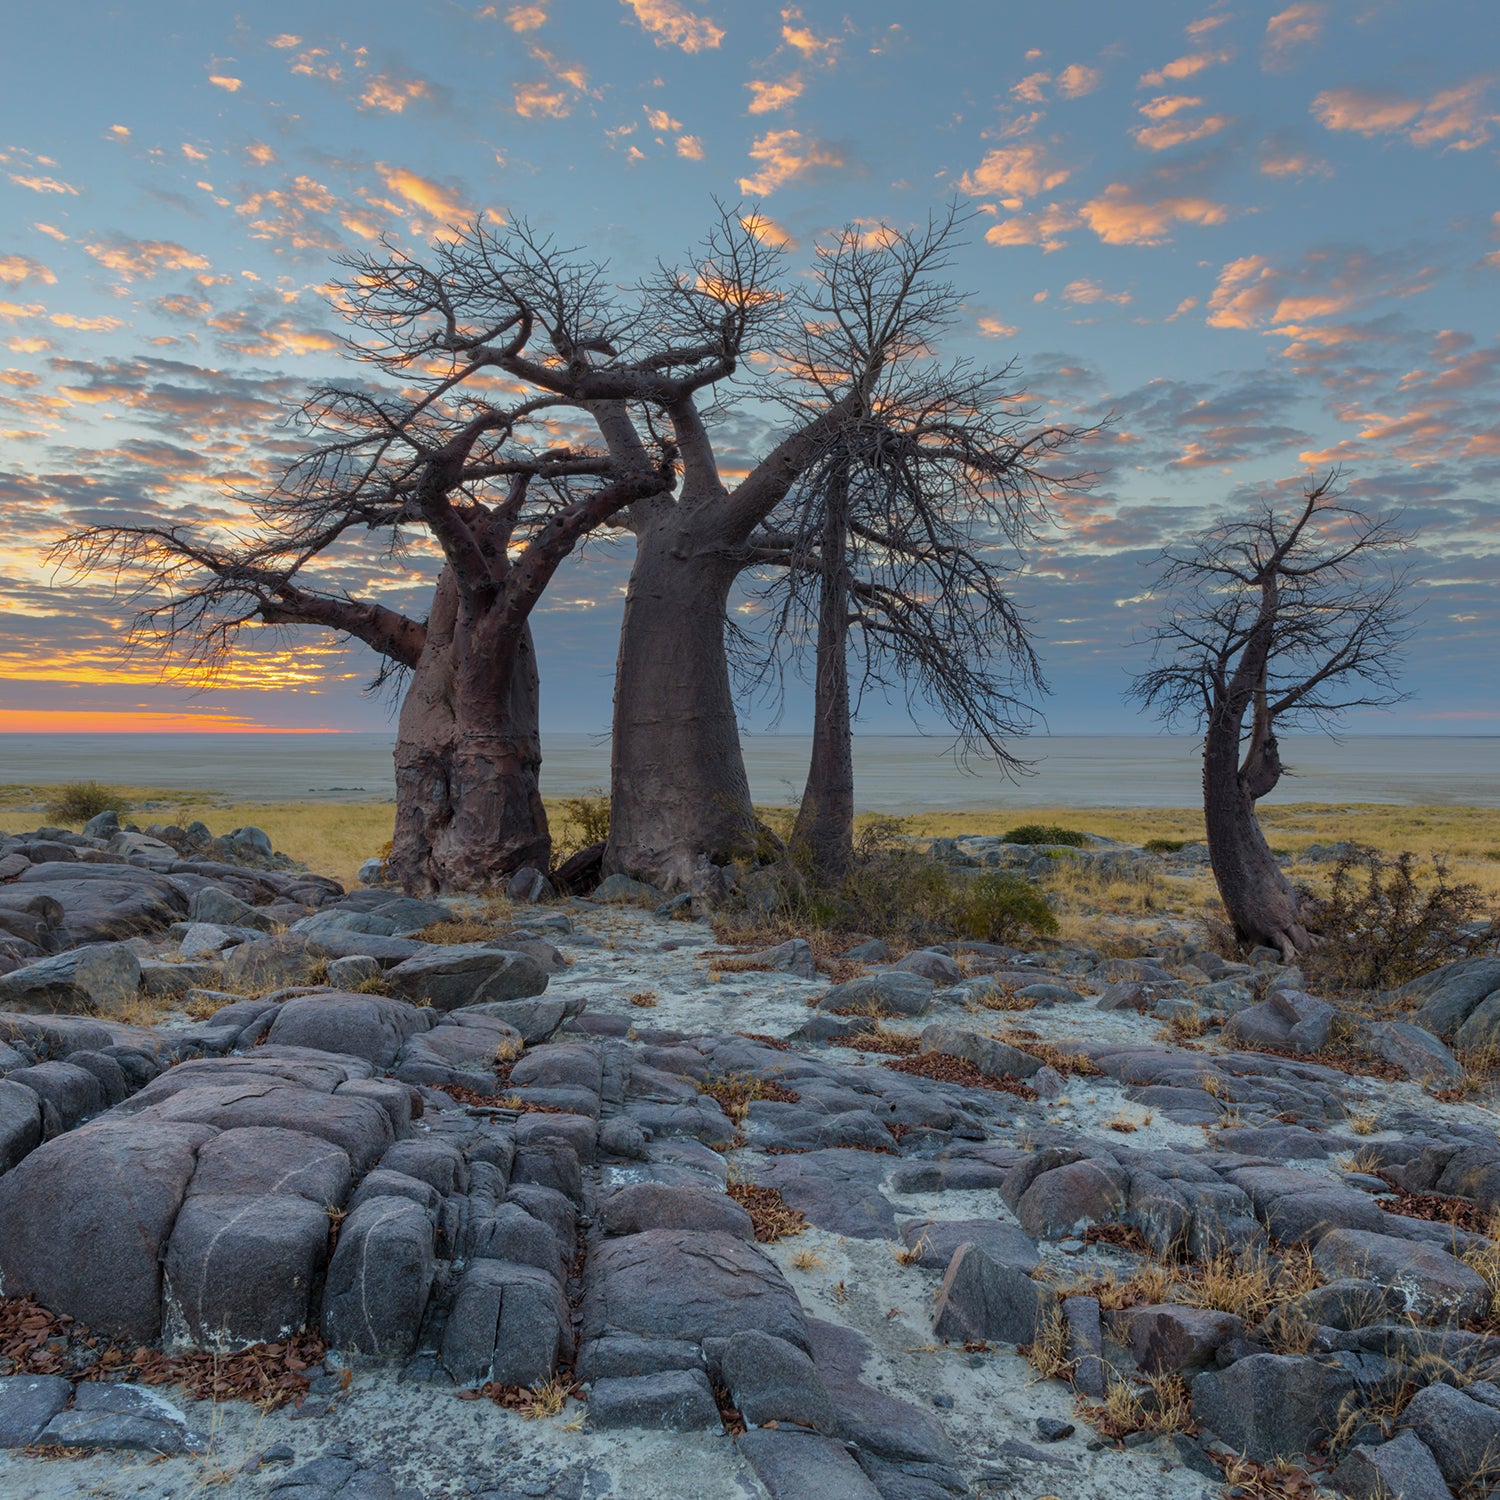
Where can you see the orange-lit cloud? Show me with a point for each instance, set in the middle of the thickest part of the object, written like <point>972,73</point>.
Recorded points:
<point>17,312</point>
<point>1296,26</point>
<point>86,325</point>
<point>44,184</point>
<point>671,25</point>
<point>767,230</point>
<point>17,269</point>
<point>143,258</point>
<point>1183,67</point>
<point>1076,80</point>
<point>993,328</point>
<point>1045,229</point>
<point>284,41</point>
<point>392,94</point>
<point>1179,132</point>
<point>766,98</point>
<point>1032,89</point>
<point>1455,118</point>
<point>800,37</point>
<point>690,147</point>
<point>1013,172</point>
<point>1088,291</point>
<point>524,18</point>
<point>442,203</point>
<point>659,119</point>
<point>787,156</point>
<point>223,81</point>
<point>134,721</point>
<point>1279,160</point>
<point>1120,217</point>
<point>542,98</point>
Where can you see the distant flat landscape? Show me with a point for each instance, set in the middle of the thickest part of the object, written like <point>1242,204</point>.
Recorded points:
<point>895,773</point>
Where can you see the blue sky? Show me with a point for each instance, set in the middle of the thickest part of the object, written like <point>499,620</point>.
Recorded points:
<point>1266,238</point>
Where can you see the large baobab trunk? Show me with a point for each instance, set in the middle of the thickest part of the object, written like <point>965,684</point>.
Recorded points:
<point>679,790</point>
<point>1260,900</point>
<point>468,752</point>
<point>824,830</point>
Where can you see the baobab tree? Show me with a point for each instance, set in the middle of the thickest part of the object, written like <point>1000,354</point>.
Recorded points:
<point>1286,617</point>
<point>898,549</point>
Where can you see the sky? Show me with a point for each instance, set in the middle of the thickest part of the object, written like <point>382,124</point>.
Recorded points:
<point>1263,240</point>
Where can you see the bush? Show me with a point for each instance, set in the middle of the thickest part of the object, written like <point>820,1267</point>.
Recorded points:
<point>1045,833</point>
<point>79,801</point>
<point>1384,922</point>
<point>1167,846</point>
<point>995,908</point>
<point>584,823</point>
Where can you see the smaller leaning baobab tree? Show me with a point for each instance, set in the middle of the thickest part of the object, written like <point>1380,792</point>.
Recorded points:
<point>1279,619</point>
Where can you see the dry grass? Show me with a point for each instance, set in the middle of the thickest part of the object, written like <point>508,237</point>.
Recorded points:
<point>1480,1077</point>
<point>999,997</point>
<point>768,1211</point>
<point>1362,1121</point>
<point>735,1091</point>
<point>457,931</point>
<point>1162,1405</point>
<point>143,1009</point>
<point>882,1039</point>
<point>1048,1351</point>
<point>1059,1059</point>
<point>1185,1026</point>
<point>909,1255</point>
<point>807,1260</point>
<point>1127,1124</point>
<point>1279,1480</point>
<point>643,999</point>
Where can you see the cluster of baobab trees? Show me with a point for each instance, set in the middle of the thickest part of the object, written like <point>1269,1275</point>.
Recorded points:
<point>515,400</point>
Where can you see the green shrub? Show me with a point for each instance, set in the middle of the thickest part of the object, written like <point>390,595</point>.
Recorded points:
<point>1384,922</point>
<point>996,908</point>
<point>1167,846</point>
<point>1045,833</point>
<point>79,801</point>
<point>584,823</point>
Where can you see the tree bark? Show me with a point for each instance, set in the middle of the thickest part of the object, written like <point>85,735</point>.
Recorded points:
<point>824,830</point>
<point>1259,898</point>
<point>679,792</point>
<point>468,752</point>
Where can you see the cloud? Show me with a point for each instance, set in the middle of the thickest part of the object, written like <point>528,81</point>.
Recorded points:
<point>44,184</point>
<point>1087,291</point>
<point>671,25</point>
<point>690,147</point>
<point>1279,158</point>
<point>143,258</point>
<point>992,328</point>
<point>1183,67</point>
<point>1164,106</point>
<point>766,97</point>
<point>442,203</point>
<point>1457,118</point>
<point>223,81</point>
<point>18,312</point>
<point>1076,80</point>
<point>788,156</point>
<point>542,98</point>
<point>1032,88</point>
<point>284,41</point>
<point>1045,229</point>
<point>524,18</point>
<point>1252,292</point>
<point>1296,26</point>
<point>1120,217</point>
<point>767,230</point>
<point>1013,172</point>
<point>659,119</point>
<point>86,325</point>
<point>796,34</point>
<point>393,94</point>
<point>15,270</point>
<point>1179,132</point>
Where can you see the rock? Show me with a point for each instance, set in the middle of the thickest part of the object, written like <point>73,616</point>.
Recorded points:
<point>1433,1286</point>
<point>1402,1469</point>
<point>27,1404</point>
<point>529,886</point>
<point>1289,1022</point>
<point>981,1299</point>
<point>1085,1345</point>
<point>371,872</point>
<point>465,974</point>
<point>20,1122</point>
<point>937,967</point>
<point>349,973</point>
<point>251,840</point>
<point>99,977</point>
<point>336,1477</point>
<point>272,962</point>
<point>1482,1029</point>
<point>103,825</point>
<point>1061,1202</point>
<point>890,992</point>
<point>1462,1434</point>
<point>220,908</point>
<point>870,951</point>
<point>618,889</point>
<point>109,1193</point>
<point>1447,997</point>
<point>536,1019</point>
<point>379,1278</point>
<point>1271,1405</point>
<point>791,957</point>
<point>770,1380</point>
<point>688,1285</point>
<point>509,1324</point>
<point>802,1466</point>
<point>101,903</point>
<point>334,919</point>
<point>1053,1429</point>
<point>1170,1338</point>
<point>1419,1054</point>
<point>653,1205</point>
<point>373,1027</point>
<point>993,1058</point>
<point>673,1400</point>
<point>122,1416</point>
<point>938,1240</point>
